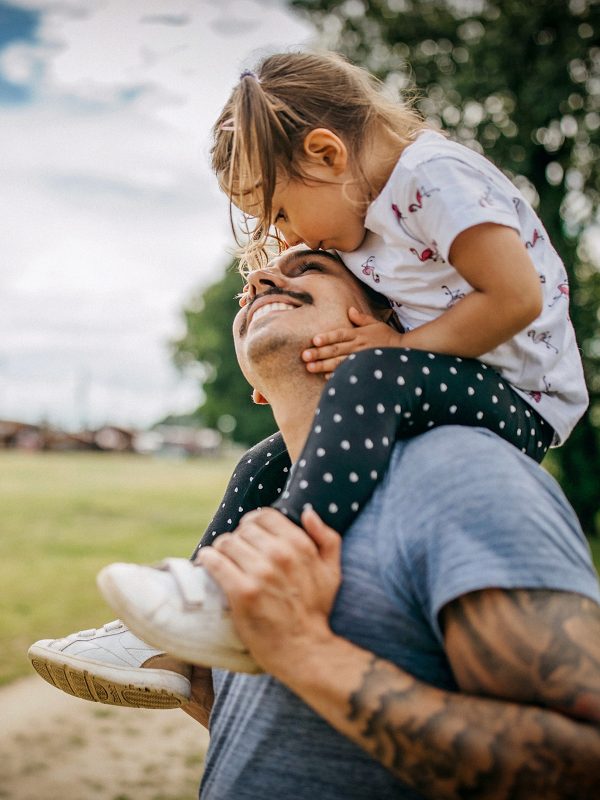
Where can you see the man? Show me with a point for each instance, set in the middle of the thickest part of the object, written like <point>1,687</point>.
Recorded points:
<point>458,657</point>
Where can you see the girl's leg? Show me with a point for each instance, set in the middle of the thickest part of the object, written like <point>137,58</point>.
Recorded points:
<point>257,480</point>
<point>378,396</point>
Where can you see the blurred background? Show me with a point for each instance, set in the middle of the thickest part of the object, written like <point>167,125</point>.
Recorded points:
<point>121,406</point>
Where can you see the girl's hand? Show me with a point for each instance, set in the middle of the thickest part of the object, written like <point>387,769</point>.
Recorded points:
<point>333,347</point>
<point>243,296</point>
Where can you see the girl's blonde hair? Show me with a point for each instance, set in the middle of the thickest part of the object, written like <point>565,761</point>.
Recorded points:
<point>261,130</point>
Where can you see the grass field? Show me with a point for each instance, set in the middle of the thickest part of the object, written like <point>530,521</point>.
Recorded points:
<point>64,516</point>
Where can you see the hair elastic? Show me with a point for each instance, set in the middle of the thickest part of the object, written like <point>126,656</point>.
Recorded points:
<point>248,73</point>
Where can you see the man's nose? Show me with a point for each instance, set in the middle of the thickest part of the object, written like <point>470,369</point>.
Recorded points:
<point>259,280</point>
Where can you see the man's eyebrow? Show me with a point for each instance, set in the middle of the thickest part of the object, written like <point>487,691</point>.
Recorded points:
<point>304,255</point>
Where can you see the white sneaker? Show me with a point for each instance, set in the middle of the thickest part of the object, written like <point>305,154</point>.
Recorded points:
<point>105,666</point>
<point>178,607</point>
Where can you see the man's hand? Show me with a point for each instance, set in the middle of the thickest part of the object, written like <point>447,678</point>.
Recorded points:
<point>333,347</point>
<point>280,582</point>
<point>201,701</point>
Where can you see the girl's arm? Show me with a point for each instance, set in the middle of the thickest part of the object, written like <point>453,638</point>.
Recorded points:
<point>507,297</point>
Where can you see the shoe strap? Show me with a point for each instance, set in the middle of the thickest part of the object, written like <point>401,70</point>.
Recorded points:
<point>189,580</point>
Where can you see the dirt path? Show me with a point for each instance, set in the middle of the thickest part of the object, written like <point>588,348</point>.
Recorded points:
<point>56,747</point>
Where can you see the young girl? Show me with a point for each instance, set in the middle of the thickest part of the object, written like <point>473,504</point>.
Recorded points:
<point>309,145</point>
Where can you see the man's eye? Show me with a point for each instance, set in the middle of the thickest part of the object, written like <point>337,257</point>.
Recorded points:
<point>309,265</point>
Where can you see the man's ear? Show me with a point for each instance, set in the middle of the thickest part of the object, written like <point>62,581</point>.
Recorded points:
<point>259,398</point>
<point>325,148</point>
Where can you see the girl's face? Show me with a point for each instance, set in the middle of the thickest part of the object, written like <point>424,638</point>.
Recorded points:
<point>321,211</point>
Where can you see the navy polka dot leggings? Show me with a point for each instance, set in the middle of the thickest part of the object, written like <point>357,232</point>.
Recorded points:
<point>374,398</point>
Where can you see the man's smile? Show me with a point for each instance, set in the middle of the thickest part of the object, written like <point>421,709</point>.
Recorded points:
<point>274,299</point>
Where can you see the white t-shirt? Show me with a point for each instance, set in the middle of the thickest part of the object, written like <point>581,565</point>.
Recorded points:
<point>438,189</point>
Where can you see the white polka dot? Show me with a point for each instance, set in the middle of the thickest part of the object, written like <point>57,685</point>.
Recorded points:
<point>425,370</point>
<point>249,461</point>
<point>430,355</point>
<point>397,409</point>
<point>418,391</point>
<point>471,391</point>
<point>430,424</point>
<point>494,399</point>
<point>459,360</point>
<point>368,444</point>
<point>260,486</point>
<point>328,477</point>
<point>345,444</point>
<point>271,440</point>
<point>380,408</point>
<point>318,429</point>
<point>236,488</point>
<point>251,478</point>
<point>307,506</point>
<point>512,409</point>
<point>337,417</point>
<point>278,491</point>
<point>452,409</point>
<point>533,431</point>
<point>400,380</point>
<point>229,522</point>
<point>518,431</point>
<point>501,386</point>
<point>354,506</point>
<point>332,508</point>
<point>502,424</point>
<point>240,509</point>
<point>378,374</point>
<point>234,474</point>
<point>378,352</point>
<point>302,463</point>
<point>453,370</point>
<point>317,412</point>
<point>353,477</point>
<point>443,387</point>
<point>479,415</point>
<point>303,484</point>
<point>426,406</point>
<point>359,409</point>
<point>352,357</point>
<point>374,475</point>
<point>222,505</point>
<point>540,444</point>
<point>320,452</point>
<point>285,469</point>
<point>479,376</point>
<point>353,379</point>
<point>527,414</point>
<point>523,450</point>
<point>407,415</point>
<point>385,441</point>
<point>331,391</point>
<point>269,455</point>
<point>404,358</point>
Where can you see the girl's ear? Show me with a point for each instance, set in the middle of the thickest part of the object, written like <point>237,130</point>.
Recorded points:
<point>259,398</point>
<point>325,148</point>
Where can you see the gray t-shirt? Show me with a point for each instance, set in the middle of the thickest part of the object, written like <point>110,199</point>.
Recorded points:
<point>459,510</point>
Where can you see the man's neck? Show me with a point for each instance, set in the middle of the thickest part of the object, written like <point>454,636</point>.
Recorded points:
<point>294,403</point>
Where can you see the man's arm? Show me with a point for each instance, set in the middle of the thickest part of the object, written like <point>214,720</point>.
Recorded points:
<point>201,701</point>
<point>519,743</point>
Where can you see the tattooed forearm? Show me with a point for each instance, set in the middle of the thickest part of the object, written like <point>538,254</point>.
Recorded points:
<point>454,746</point>
<point>529,646</point>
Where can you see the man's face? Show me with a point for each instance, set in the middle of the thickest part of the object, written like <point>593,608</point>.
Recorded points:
<point>301,293</point>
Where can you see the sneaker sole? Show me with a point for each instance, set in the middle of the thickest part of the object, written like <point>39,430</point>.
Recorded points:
<point>190,652</point>
<point>114,686</point>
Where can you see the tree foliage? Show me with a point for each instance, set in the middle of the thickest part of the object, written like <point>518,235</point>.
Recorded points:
<point>208,343</point>
<point>520,81</point>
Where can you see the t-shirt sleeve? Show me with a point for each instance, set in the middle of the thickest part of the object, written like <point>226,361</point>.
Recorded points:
<point>447,195</point>
<point>486,517</point>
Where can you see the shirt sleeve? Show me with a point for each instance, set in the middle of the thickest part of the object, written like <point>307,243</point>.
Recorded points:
<point>447,195</point>
<point>472,514</point>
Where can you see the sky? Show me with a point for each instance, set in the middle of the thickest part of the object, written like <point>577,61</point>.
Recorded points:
<point>110,219</point>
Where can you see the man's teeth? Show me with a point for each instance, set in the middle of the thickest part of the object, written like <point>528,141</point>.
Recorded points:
<point>264,310</point>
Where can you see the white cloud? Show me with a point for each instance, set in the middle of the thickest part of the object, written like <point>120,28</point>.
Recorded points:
<point>110,214</point>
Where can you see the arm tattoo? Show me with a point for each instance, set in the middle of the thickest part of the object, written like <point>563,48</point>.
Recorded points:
<point>450,746</point>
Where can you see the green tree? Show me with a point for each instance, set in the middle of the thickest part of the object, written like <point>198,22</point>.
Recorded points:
<point>208,343</point>
<point>519,80</point>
